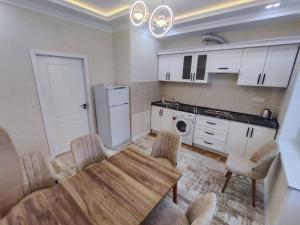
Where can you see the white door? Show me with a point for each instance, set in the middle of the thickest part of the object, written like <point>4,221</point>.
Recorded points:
<point>61,89</point>
<point>176,67</point>
<point>155,118</point>
<point>258,137</point>
<point>279,65</point>
<point>237,138</point>
<point>163,67</point>
<point>167,120</point>
<point>252,66</point>
<point>119,124</point>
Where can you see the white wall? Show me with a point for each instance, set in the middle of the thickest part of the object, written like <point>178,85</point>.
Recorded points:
<point>289,115</point>
<point>20,30</point>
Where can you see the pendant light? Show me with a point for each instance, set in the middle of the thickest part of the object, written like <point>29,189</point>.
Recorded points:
<point>138,13</point>
<point>161,21</point>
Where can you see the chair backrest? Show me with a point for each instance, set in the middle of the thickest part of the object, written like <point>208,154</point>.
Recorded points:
<point>87,150</point>
<point>167,145</point>
<point>202,210</point>
<point>10,174</point>
<point>38,172</point>
<point>263,159</point>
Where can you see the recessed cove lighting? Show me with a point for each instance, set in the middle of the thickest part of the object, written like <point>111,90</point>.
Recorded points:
<point>276,5</point>
<point>269,6</point>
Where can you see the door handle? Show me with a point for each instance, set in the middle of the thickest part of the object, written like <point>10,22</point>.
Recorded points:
<point>263,80</point>
<point>258,79</point>
<point>251,133</point>
<point>247,132</point>
<point>223,68</point>
<point>84,106</point>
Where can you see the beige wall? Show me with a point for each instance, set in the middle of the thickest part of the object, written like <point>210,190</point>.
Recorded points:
<point>122,57</point>
<point>21,30</point>
<point>222,92</point>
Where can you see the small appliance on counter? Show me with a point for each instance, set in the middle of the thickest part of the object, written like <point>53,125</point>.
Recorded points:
<point>267,114</point>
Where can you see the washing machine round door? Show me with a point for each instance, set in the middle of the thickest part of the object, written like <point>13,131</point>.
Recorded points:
<point>182,126</point>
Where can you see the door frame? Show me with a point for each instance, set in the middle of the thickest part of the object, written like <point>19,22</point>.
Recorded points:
<point>34,53</point>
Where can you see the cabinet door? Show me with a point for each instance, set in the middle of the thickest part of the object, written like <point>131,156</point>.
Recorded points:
<point>155,118</point>
<point>187,67</point>
<point>279,65</point>
<point>258,137</point>
<point>252,66</point>
<point>227,61</point>
<point>237,138</point>
<point>176,67</point>
<point>199,70</point>
<point>163,67</point>
<point>167,120</point>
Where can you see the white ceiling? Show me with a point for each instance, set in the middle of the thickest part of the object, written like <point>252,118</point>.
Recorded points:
<point>190,15</point>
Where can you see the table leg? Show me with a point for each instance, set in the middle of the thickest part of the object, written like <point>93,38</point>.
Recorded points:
<point>175,194</point>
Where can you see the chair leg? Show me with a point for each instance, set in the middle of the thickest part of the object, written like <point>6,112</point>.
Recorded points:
<point>226,181</point>
<point>253,192</point>
<point>175,194</point>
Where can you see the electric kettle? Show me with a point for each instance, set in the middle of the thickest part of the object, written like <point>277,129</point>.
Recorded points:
<point>267,114</point>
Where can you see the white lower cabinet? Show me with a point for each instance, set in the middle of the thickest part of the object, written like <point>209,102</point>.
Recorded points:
<point>245,139</point>
<point>161,119</point>
<point>258,137</point>
<point>230,137</point>
<point>237,138</point>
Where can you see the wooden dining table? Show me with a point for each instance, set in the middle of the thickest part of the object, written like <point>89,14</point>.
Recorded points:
<point>120,190</point>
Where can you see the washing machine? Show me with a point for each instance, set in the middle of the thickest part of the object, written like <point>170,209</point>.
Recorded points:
<point>184,125</point>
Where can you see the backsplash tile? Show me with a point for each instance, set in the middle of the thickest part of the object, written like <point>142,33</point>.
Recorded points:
<point>142,94</point>
<point>222,92</point>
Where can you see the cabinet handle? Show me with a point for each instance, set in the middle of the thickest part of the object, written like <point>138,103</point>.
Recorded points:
<point>194,76</point>
<point>223,68</point>
<point>263,80</point>
<point>211,123</point>
<point>258,79</point>
<point>251,133</point>
<point>162,112</point>
<point>191,76</point>
<point>209,133</point>
<point>169,76</point>
<point>247,132</point>
<point>207,143</point>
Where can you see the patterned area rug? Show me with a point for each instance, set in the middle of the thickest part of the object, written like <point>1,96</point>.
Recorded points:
<point>200,175</point>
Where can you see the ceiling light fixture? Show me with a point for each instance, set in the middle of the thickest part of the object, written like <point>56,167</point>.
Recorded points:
<point>161,21</point>
<point>273,5</point>
<point>138,13</point>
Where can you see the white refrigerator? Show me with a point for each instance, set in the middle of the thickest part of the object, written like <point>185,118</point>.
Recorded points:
<point>112,114</point>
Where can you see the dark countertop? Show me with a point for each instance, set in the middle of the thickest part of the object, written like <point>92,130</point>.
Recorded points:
<point>223,114</point>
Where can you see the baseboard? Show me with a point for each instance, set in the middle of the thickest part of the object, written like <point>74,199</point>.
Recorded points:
<point>140,135</point>
<point>266,200</point>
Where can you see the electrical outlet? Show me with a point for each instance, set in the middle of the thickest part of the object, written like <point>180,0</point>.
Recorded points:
<point>259,100</point>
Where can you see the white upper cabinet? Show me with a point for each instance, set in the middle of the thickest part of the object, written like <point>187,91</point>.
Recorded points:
<point>163,67</point>
<point>227,61</point>
<point>279,65</point>
<point>176,67</point>
<point>252,66</point>
<point>267,66</point>
<point>199,71</point>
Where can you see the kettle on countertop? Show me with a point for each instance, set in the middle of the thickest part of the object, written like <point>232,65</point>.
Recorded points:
<point>267,114</point>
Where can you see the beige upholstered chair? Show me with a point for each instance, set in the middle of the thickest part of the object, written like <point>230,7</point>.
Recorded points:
<point>255,168</point>
<point>10,174</point>
<point>38,173</point>
<point>166,148</point>
<point>87,150</point>
<point>200,212</point>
